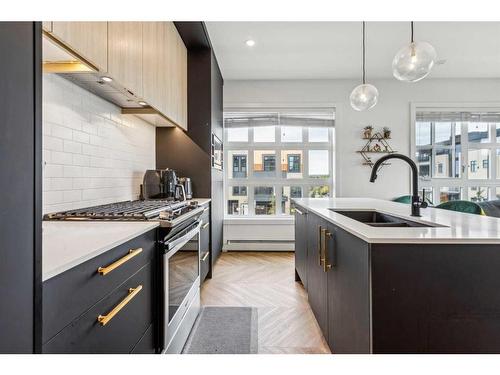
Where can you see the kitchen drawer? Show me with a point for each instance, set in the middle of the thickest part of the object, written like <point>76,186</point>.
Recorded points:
<point>146,344</point>
<point>122,332</point>
<point>70,294</point>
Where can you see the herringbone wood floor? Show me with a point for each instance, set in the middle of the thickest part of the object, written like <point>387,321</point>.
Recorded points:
<point>266,280</point>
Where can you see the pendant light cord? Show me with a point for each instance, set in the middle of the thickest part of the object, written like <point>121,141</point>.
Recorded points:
<point>411,31</point>
<point>364,72</point>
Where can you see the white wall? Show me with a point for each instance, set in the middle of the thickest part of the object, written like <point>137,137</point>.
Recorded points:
<point>92,154</point>
<point>393,110</point>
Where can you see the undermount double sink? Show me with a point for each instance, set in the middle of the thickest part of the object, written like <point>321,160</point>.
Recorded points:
<point>375,218</point>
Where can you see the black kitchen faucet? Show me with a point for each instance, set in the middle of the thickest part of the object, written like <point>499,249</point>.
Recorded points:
<point>416,202</point>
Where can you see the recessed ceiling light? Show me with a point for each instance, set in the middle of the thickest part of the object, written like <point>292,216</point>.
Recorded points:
<point>250,42</point>
<point>143,103</point>
<point>106,79</point>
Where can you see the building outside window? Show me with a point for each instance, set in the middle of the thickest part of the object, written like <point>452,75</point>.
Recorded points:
<point>453,150</point>
<point>276,156</point>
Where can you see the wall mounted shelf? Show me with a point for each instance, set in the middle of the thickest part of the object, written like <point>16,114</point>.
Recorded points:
<point>376,144</point>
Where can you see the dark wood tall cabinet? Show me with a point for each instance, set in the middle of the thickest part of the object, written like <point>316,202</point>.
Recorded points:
<point>21,187</point>
<point>189,153</point>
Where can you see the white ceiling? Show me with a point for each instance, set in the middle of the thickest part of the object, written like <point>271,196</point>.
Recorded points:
<point>318,50</point>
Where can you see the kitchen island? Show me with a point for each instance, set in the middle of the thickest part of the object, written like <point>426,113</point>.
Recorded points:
<point>381,281</point>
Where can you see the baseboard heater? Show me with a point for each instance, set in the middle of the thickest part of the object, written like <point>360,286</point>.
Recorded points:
<point>260,245</point>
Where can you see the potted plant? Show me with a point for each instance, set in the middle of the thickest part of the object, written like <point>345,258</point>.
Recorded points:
<point>387,132</point>
<point>367,131</point>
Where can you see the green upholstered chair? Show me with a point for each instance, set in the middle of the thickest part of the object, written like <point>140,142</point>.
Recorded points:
<point>491,208</point>
<point>462,206</point>
<point>407,199</point>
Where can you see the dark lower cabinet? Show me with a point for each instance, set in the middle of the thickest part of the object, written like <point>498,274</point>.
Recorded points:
<point>205,245</point>
<point>316,277</point>
<point>146,344</point>
<point>401,298</point>
<point>108,304</point>
<point>123,330</point>
<point>348,292</point>
<point>301,246</point>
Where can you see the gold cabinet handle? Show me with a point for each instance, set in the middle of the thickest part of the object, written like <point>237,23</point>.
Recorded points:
<point>205,257</point>
<point>326,263</point>
<point>105,319</point>
<point>132,253</point>
<point>320,246</point>
<point>205,225</point>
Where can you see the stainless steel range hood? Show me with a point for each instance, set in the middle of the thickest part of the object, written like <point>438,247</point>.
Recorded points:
<point>58,59</point>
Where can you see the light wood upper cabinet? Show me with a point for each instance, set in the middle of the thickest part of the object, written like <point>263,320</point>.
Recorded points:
<point>125,55</point>
<point>178,84</point>
<point>153,63</point>
<point>88,39</point>
<point>165,70</point>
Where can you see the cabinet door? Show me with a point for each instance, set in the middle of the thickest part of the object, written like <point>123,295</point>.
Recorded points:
<point>301,245</point>
<point>87,39</point>
<point>176,85</point>
<point>348,293</point>
<point>125,54</point>
<point>316,277</point>
<point>154,68</point>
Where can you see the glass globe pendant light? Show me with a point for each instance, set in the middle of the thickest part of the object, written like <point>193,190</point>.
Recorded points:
<point>364,96</point>
<point>414,61</point>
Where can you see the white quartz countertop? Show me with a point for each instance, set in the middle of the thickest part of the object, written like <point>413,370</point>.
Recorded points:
<point>67,244</point>
<point>458,227</point>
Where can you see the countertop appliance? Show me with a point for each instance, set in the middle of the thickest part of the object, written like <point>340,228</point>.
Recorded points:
<point>162,184</point>
<point>188,188</point>
<point>179,245</point>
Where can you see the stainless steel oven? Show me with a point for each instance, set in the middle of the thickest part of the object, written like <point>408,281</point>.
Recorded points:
<point>181,285</point>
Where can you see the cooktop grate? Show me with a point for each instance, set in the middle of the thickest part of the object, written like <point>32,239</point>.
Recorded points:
<point>127,210</point>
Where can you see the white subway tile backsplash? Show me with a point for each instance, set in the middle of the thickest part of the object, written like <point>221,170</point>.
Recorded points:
<point>52,170</point>
<point>71,146</point>
<point>60,131</point>
<point>72,195</point>
<point>81,160</point>
<point>72,171</point>
<point>81,137</point>
<point>51,143</point>
<point>92,153</point>
<point>58,157</point>
<point>61,183</point>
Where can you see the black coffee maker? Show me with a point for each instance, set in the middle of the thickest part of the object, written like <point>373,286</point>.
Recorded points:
<point>162,184</point>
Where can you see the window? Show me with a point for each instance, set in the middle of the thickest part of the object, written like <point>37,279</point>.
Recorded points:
<point>449,194</point>
<point>264,134</point>
<point>239,166</point>
<point>287,154</point>
<point>238,163</point>
<point>287,194</point>
<point>237,135</point>
<point>291,134</point>
<point>319,163</point>
<point>265,200</point>
<point>239,191</point>
<point>237,203</point>
<point>455,166</point>
<point>294,163</point>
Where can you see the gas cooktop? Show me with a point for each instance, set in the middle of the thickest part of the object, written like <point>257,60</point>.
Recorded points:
<point>137,210</point>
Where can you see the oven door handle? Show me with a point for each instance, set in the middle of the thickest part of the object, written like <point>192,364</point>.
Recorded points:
<point>174,245</point>
<point>181,218</point>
